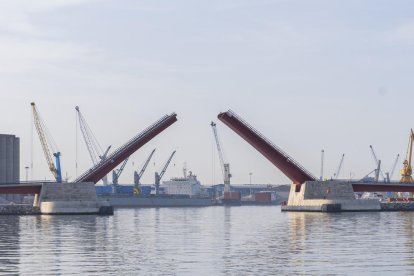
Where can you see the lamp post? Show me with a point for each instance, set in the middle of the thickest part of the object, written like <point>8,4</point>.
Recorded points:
<point>250,174</point>
<point>27,173</point>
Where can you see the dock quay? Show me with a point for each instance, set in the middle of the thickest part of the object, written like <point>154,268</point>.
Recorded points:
<point>397,206</point>
<point>28,210</point>
<point>335,208</point>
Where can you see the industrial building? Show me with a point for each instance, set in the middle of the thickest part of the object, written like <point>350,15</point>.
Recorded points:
<point>188,185</point>
<point>9,164</point>
<point>9,159</point>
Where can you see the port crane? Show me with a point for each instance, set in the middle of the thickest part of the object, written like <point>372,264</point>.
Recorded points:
<point>378,164</point>
<point>46,140</point>
<point>158,176</point>
<point>338,171</point>
<point>117,172</point>
<point>407,169</point>
<point>225,167</point>
<point>389,175</point>
<point>322,159</point>
<point>137,176</point>
<point>94,148</point>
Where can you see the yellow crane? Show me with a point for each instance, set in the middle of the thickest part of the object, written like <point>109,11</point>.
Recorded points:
<point>407,168</point>
<point>41,130</point>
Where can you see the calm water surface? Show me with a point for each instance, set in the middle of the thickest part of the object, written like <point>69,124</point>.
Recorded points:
<point>248,240</point>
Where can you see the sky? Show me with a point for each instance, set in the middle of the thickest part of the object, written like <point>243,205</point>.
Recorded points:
<point>309,75</point>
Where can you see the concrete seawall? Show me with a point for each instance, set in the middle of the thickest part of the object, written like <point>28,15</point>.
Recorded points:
<point>397,206</point>
<point>19,210</point>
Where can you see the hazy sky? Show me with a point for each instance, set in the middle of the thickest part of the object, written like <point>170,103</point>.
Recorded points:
<point>336,75</point>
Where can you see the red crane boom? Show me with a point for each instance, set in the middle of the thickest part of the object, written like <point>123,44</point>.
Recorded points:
<point>293,170</point>
<point>101,169</point>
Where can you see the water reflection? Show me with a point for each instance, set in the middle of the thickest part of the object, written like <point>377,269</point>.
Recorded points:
<point>63,244</point>
<point>351,242</point>
<point>407,221</point>
<point>243,240</point>
<point>9,244</point>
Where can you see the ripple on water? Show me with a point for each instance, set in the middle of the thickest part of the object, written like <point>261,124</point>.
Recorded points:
<point>252,240</point>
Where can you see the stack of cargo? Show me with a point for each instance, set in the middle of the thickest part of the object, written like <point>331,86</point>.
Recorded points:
<point>231,198</point>
<point>121,189</point>
<point>263,198</point>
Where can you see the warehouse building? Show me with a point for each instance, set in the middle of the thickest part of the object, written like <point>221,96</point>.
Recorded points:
<point>9,159</point>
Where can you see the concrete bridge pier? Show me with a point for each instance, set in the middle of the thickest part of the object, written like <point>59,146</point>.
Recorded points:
<point>327,196</point>
<point>70,198</point>
<point>56,199</point>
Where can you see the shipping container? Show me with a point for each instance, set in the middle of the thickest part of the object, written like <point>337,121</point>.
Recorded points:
<point>145,190</point>
<point>232,195</point>
<point>103,189</point>
<point>122,189</point>
<point>263,197</point>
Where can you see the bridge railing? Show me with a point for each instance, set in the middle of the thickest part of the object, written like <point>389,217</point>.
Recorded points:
<point>231,113</point>
<point>121,149</point>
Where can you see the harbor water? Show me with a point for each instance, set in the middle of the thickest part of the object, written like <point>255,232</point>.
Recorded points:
<point>242,240</point>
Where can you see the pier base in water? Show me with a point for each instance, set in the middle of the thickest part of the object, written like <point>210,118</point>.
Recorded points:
<point>327,196</point>
<point>70,198</point>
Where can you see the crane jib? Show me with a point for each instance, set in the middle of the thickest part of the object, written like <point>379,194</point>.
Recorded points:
<point>39,124</point>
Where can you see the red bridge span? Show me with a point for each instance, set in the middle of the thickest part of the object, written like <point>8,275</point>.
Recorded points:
<point>285,163</point>
<point>98,171</point>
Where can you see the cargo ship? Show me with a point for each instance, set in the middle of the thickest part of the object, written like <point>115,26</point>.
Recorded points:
<point>259,198</point>
<point>129,200</point>
<point>177,192</point>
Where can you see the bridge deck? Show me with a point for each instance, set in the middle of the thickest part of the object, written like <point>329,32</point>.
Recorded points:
<point>33,188</point>
<point>382,187</point>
